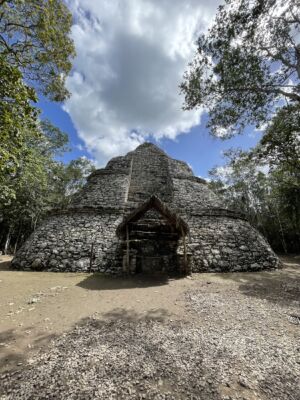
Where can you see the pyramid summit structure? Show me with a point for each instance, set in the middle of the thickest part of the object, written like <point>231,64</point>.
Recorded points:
<point>145,212</point>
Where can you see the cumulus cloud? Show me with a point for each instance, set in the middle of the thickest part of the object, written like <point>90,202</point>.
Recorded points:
<point>223,172</point>
<point>131,55</point>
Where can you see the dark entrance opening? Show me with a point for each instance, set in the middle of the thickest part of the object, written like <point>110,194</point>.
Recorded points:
<point>152,236</point>
<point>155,242</point>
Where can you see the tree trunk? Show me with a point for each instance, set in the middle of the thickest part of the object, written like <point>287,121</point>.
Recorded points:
<point>7,242</point>
<point>297,52</point>
<point>17,241</point>
<point>281,231</point>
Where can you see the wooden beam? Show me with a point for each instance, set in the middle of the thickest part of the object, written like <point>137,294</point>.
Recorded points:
<point>91,257</point>
<point>184,254</point>
<point>127,247</point>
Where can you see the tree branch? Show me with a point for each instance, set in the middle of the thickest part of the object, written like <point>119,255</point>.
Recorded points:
<point>292,96</point>
<point>279,57</point>
<point>268,89</point>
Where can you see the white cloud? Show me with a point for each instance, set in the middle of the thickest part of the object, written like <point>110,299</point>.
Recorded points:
<point>80,147</point>
<point>223,172</point>
<point>131,55</point>
<point>264,168</point>
<point>221,132</point>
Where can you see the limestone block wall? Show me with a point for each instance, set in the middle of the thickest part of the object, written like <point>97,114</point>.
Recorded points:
<point>191,194</point>
<point>149,175</point>
<point>85,241</point>
<point>179,168</point>
<point>104,188</point>
<point>121,163</point>
<point>68,242</point>
<point>222,244</point>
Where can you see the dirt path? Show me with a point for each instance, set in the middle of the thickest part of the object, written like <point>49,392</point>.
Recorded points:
<point>35,306</point>
<point>221,336</point>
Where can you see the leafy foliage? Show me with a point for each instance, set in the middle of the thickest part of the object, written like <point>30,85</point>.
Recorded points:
<point>281,140</point>
<point>265,183</point>
<point>247,71</point>
<point>39,184</point>
<point>34,37</point>
<point>18,122</point>
<point>35,48</point>
<point>246,65</point>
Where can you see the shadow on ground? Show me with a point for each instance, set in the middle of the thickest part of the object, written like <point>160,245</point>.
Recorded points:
<point>138,358</point>
<point>98,281</point>
<point>13,357</point>
<point>281,287</point>
<point>5,262</point>
<point>159,314</point>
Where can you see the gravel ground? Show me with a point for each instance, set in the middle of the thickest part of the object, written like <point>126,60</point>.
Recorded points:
<point>238,340</point>
<point>250,341</point>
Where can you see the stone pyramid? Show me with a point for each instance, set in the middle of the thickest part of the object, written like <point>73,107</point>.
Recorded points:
<point>146,212</point>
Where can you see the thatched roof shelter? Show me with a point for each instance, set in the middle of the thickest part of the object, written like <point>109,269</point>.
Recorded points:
<point>154,203</point>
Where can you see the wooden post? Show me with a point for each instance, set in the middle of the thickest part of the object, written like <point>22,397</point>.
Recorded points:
<point>184,254</point>
<point>127,247</point>
<point>184,251</point>
<point>91,257</point>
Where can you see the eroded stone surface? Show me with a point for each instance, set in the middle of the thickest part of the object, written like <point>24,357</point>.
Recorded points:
<point>83,237</point>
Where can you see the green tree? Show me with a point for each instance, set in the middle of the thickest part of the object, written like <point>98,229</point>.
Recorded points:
<point>40,183</point>
<point>246,65</point>
<point>280,149</point>
<point>35,54</point>
<point>67,179</point>
<point>242,182</point>
<point>18,123</point>
<point>264,183</point>
<point>75,175</point>
<point>34,37</point>
<point>280,144</point>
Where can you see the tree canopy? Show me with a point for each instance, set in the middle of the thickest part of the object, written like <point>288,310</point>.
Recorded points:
<point>40,182</point>
<point>32,180</point>
<point>18,120</point>
<point>35,55</point>
<point>264,182</point>
<point>247,72</point>
<point>34,37</point>
<point>247,65</point>
<point>35,49</point>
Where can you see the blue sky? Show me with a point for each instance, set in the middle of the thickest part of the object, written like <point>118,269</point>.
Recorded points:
<point>198,148</point>
<point>131,56</point>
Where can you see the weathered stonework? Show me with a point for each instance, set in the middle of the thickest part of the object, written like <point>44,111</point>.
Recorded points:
<point>145,212</point>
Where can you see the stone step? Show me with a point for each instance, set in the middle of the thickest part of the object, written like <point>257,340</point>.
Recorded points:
<point>154,237</point>
<point>152,221</point>
<point>153,233</point>
<point>150,226</point>
<point>157,230</point>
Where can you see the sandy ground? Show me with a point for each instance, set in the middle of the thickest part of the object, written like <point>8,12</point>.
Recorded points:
<point>37,306</point>
<point>41,312</point>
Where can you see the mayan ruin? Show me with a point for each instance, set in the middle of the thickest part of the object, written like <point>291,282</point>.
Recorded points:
<point>150,200</point>
<point>145,212</point>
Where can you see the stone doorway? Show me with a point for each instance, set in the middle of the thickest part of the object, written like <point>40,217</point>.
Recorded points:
<point>154,240</point>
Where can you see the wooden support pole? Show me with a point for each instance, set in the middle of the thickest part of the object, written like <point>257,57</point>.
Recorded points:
<point>127,247</point>
<point>184,254</point>
<point>91,256</point>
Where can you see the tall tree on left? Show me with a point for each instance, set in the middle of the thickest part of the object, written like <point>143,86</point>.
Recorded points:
<point>36,54</point>
<point>34,37</point>
<point>18,122</point>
